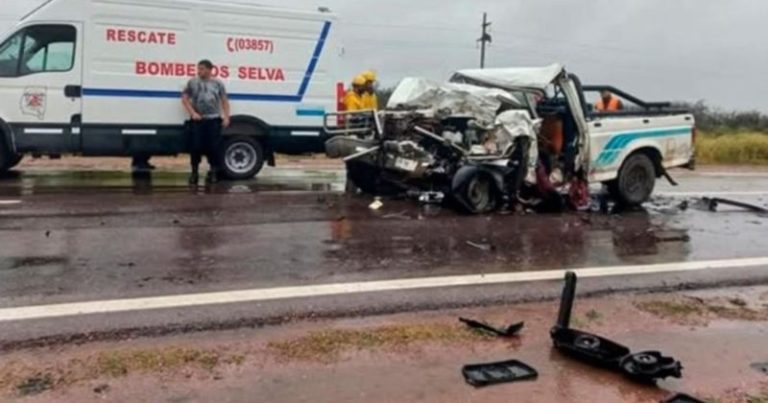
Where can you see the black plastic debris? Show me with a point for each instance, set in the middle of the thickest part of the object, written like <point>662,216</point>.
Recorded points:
<point>509,331</point>
<point>480,375</point>
<point>715,202</point>
<point>761,367</point>
<point>644,367</point>
<point>682,398</point>
<point>650,365</point>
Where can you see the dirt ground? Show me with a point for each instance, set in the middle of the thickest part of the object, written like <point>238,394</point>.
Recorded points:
<point>717,335</point>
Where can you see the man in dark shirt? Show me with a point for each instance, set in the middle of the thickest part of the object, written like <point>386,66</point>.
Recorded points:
<point>205,99</point>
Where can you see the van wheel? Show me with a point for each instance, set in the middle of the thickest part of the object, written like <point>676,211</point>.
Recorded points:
<point>241,158</point>
<point>14,160</point>
<point>8,159</point>
<point>636,181</point>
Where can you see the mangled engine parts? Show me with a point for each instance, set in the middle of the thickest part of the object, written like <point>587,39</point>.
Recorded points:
<point>644,367</point>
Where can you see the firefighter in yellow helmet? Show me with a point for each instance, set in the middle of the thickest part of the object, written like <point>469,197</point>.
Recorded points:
<point>370,100</point>
<point>353,100</point>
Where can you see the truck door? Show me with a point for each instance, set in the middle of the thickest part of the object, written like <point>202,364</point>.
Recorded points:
<point>40,93</point>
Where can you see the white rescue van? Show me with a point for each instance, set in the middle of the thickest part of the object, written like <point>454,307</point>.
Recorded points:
<point>104,78</point>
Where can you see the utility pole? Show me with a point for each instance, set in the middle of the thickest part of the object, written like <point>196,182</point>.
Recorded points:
<point>486,38</point>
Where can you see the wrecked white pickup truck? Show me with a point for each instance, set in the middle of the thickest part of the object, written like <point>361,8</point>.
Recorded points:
<point>500,138</point>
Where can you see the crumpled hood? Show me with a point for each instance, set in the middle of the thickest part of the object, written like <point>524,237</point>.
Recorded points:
<point>511,79</point>
<point>461,99</point>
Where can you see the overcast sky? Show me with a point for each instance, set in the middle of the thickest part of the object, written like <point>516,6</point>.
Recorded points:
<point>716,50</point>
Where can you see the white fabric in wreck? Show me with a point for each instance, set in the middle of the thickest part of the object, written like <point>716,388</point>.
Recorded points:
<point>511,78</point>
<point>461,99</point>
<point>517,123</point>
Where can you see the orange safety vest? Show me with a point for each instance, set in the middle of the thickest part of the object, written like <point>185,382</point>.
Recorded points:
<point>614,104</point>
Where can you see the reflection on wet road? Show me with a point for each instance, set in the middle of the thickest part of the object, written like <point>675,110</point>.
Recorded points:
<point>84,236</point>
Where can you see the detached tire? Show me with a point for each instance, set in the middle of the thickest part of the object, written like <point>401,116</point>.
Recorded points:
<point>241,157</point>
<point>636,181</point>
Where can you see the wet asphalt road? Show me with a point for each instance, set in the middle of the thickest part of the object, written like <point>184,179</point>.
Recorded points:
<point>73,237</point>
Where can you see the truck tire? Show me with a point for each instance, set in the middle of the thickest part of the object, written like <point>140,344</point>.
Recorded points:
<point>8,159</point>
<point>636,181</point>
<point>478,195</point>
<point>241,157</point>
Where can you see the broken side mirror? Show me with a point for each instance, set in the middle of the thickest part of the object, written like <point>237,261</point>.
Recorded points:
<point>645,367</point>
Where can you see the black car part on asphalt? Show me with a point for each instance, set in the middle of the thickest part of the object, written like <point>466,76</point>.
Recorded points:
<point>509,331</point>
<point>712,205</point>
<point>480,375</point>
<point>682,398</point>
<point>761,367</point>
<point>644,367</point>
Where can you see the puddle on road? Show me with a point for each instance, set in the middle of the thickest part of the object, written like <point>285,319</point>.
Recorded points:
<point>30,262</point>
<point>16,184</point>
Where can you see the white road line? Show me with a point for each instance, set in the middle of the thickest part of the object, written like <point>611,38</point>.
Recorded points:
<point>9,202</point>
<point>713,194</point>
<point>732,174</point>
<point>272,294</point>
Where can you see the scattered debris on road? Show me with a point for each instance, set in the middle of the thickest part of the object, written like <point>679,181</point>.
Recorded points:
<point>509,331</point>
<point>35,385</point>
<point>644,367</point>
<point>682,398</point>
<point>403,215</point>
<point>761,367</point>
<point>500,372</point>
<point>431,197</point>
<point>485,247</point>
<point>713,204</point>
<point>377,204</point>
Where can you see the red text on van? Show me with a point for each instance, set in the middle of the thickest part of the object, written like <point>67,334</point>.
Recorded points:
<point>141,36</point>
<point>176,69</point>
<point>171,69</point>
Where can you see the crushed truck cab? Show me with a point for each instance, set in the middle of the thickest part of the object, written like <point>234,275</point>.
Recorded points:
<point>492,138</point>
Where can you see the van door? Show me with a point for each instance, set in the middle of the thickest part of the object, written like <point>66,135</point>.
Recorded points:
<point>40,87</point>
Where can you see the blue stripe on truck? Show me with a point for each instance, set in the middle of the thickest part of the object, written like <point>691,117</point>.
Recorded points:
<point>306,80</point>
<point>309,111</point>
<point>620,141</point>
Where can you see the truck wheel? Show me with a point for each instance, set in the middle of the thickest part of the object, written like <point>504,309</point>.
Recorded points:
<point>14,160</point>
<point>479,195</point>
<point>8,159</point>
<point>636,181</point>
<point>241,158</point>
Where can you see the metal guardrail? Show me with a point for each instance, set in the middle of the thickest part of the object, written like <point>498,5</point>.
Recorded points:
<point>355,123</point>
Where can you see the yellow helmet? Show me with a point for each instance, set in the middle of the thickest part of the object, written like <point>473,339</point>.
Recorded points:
<point>359,80</point>
<point>369,75</point>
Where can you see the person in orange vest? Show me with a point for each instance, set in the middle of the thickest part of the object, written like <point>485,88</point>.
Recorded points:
<point>353,100</point>
<point>370,99</point>
<point>608,103</point>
